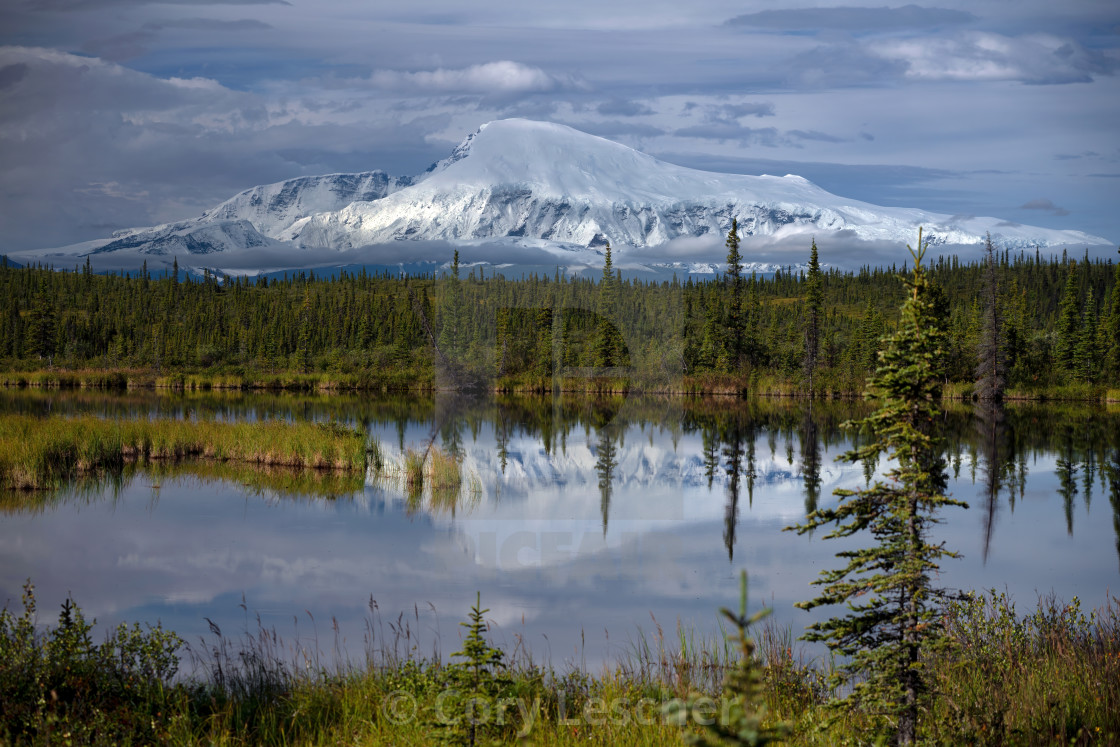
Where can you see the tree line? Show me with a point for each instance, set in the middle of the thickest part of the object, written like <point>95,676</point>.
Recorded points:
<point>816,329</point>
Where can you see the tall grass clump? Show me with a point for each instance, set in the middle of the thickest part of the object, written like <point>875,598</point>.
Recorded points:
<point>444,471</point>
<point>414,471</point>
<point>432,478</point>
<point>40,453</point>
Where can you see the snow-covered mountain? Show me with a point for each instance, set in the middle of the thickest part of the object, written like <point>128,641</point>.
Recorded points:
<point>545,186</point>
<point>273,208</point>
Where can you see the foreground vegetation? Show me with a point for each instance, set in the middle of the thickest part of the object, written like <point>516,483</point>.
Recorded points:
<point>918,663</point>
<point>1051,676</point>
<point>42,453</point>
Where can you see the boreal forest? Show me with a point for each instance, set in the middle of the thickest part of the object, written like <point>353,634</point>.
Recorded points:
<point>793,331</point>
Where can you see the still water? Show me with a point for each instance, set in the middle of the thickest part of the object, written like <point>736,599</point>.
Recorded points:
<point>587,525</point>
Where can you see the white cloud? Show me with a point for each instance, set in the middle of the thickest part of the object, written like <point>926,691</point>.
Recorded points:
<point>1038,58</point>
<point>502,77</point>
<point>90,146</point>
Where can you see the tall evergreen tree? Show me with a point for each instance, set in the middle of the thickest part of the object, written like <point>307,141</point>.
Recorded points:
<point>1069,322</point>
<point>893,606</point>
<point>814,303</point>
<point>1086,357</point>
<point>303,344</point>
<point>1111,332</point>
<point>608,344</point>
<point>735,325</point>
<point>991,368</point>
<point>451,319</point>
<point>41,329</point>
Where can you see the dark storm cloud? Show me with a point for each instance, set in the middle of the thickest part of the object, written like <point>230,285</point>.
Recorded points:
<point>139,42</point>
<point>853,19</point>
<point>1044,204</point>
<point>12,74</point>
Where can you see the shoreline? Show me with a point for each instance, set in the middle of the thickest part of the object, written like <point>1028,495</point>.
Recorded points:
<point>701,386</point>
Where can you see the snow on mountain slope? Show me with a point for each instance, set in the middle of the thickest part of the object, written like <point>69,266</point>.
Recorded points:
<point>272,208</point>
<point>535,185</point>
<point>190,237</point>
<point>536,179</point>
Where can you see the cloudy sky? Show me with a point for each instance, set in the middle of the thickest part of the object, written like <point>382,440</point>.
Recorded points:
<point>118,113</point>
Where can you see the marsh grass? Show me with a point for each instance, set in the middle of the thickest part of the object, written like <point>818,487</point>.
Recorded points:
<point>431,479</point>
<point>680,661</point>
<point>245,379</point>
<point>414,471</point>
<point>41,453</point>
<point>268,481</point>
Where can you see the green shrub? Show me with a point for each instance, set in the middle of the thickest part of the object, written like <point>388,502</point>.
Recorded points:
<point>58,685</point>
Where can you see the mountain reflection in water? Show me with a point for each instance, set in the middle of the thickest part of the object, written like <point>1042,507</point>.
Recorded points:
<point>580,518</point>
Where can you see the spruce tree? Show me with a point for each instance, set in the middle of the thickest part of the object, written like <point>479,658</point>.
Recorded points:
<point>735,325</point>
<point>1086,358</point>
<point>991,368</point>
<point>303,343</point>
<point>41,329</point>
<point>1069,322</point>
<point>744,718</point>
<point>608,344</point>
<point>451,315</point>
<point>893,615</point>
<point>814,302</point>
<point>1111,332</point>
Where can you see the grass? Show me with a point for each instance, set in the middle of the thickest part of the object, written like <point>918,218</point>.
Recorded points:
<point>431,478</point>
<point>832,383</point>
<point>41,453</point>
<point>271,481</point>
<point>1051,676</point>
<point>242,379</point>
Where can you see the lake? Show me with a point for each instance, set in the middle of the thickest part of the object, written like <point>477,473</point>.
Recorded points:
<point>587,525</point>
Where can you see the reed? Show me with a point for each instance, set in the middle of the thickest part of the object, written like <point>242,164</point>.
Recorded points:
<point>432,479</point>
<point>414,470</point>
<point>40,453</point>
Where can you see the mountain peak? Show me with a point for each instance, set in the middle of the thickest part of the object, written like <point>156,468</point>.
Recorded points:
<point>552,159</point>
<point>549,186</point>
<point>556,161</point>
